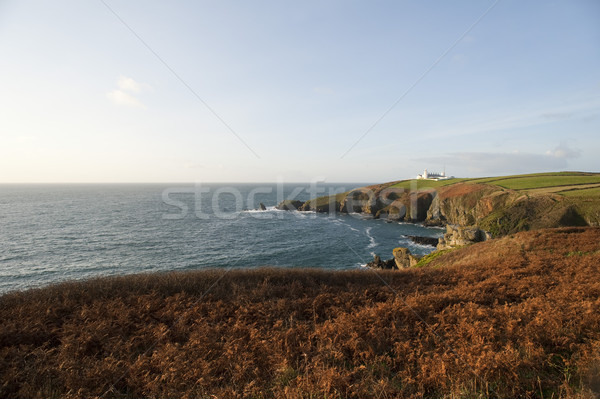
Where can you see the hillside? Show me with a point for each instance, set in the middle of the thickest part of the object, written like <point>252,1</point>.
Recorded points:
<point>500,205</point>
<point>513,317</point>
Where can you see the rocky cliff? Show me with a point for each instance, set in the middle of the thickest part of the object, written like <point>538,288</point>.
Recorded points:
<point>378,201</point>
<point>459,236</point>
<point>502,211</point>
<point>495,209</point>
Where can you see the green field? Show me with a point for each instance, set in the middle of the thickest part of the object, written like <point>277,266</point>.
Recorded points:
<point>585,192</point>
<point>525,183</point>
<point>421,184</point>
<point>537,175</point>
<point>533,181</point>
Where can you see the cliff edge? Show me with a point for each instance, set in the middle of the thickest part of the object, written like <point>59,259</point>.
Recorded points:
<point>499,205</point>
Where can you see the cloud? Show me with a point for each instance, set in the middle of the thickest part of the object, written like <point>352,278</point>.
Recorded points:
<point>459,59</point>
<point>585,108</point>
<point>128,84</point>
<point>119,97</point>
<point>563,151</point>
<point>124,95</point>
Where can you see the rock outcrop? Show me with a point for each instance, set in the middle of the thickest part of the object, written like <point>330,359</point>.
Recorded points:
<point>262,207</point>
<point>377,263</point>
<point>493,208</point>
<point>290,205</point>
<point>380,202</point>
<point>424,240</point>
<point>403,258</point>
<point>458,236</point>
<point>460,204</point>
<point>503,211</point>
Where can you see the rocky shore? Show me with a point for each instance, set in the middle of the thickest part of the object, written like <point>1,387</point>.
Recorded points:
<point>471,212</point>
<point>455,237</point>
<point>398,205</point>
<point>492,208</point>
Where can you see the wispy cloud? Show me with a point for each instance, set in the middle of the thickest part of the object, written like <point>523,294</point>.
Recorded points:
<point>459,59</point>
<point>512,119</point>
<point>127,89</point>
<point>564,151</point>
<point>119,97</point>
<point>556,115</point>
<point>128,84</point>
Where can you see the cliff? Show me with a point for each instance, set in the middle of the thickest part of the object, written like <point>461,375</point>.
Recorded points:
<point>501,205</point>
<point>503,211</point>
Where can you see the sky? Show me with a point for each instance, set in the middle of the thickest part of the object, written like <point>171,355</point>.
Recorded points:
<point>265,91</point>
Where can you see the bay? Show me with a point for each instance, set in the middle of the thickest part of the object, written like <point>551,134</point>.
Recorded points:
<point>56,232</point>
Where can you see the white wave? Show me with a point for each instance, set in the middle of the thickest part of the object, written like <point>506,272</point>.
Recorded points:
<point>269,209</point>
<point>420,246</point>
<point>337,221</point>
<point>300,214</point>
<point>372,242</point>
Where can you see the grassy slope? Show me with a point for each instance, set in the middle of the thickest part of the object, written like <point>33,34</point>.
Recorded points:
<point>568,180</point>
<point>569,184</point>
<point>583,192</point>
<point>514,317</point>
<point>550,196</point>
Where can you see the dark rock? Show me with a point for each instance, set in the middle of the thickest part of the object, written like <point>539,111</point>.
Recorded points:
<point>433,223</point>
<point>315,206</point>
<point>262,207</point>
<point>327,204</point>
<point>289,205</point>
<point>420,201</point>
<point>424,240</point>
<point>377,263</point>
<point>356,201</point>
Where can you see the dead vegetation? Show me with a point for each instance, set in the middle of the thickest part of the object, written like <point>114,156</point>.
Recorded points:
<point>514,317</point>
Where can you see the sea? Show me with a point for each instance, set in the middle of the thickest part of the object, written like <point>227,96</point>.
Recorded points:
<point>51,233</point>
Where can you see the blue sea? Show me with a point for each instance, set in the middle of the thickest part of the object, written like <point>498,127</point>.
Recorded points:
<point>57,232</point>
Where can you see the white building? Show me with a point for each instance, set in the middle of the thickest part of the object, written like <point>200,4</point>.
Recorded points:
<point>434,176</point>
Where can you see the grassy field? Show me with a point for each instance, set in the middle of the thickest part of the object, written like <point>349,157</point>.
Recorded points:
<point>524,183</point>
<point>422,184</point>
<point>583,192</point>
<point>514,317</point>
<point>540,182</point>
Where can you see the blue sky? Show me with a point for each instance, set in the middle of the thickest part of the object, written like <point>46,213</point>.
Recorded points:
<point>295,89</point>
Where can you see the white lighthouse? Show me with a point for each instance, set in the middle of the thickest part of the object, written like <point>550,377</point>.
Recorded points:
<point>434,176</point>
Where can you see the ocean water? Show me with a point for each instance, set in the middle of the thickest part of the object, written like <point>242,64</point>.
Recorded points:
<point>52,233</point>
